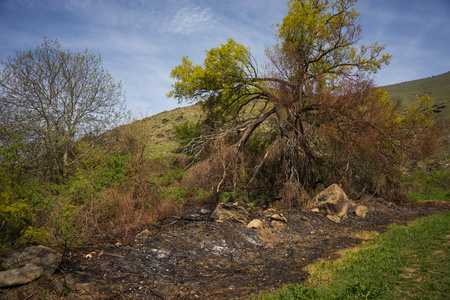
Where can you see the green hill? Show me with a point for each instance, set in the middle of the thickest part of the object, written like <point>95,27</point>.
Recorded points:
<point>437,87</point>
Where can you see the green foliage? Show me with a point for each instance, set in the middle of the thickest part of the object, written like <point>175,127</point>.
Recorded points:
<point>20,203</point>
<point>175,193</point>
<point>292,292</point>
<point>36,236</point>
<point>68,230</point>
<point>434,196</point>
<point>229,196</point>
<point>219,72</point>
<point>113,172</point>
<point>221,85</point>
<point>325,32</point>
<point>14,216</point>
<point>186,131</point>
<point>166,178</point>
<point>431,184</point>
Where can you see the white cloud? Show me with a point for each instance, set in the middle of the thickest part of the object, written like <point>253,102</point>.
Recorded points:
<point>190,20</point>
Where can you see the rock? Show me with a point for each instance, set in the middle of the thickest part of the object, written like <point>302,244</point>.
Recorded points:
<point>28,264</point>
<point>268,212</point>
<point>18,276</point>
<point>333,202</point>
<point>362,211</point>
<point>334,218</point>
<point>142,236</point>
<point>278,217</point>
<point>231,212</point>
<point>39,256</point>
<point>277,226</point>
<point>86,287</point>
<point>255,224</point>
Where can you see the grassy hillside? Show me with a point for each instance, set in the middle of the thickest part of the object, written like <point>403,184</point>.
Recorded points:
<point>437,87</point>
<point>160,128</point>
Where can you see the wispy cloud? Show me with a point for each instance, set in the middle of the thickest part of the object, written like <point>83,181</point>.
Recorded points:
<point>190,19</point>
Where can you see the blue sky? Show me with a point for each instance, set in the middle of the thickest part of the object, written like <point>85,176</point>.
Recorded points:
<point>140,41</point>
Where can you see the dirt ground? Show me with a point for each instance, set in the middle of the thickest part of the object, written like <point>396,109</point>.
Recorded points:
<point>186,259</point>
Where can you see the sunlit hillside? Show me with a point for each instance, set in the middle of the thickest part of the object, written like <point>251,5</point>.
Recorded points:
<point>437,87</point>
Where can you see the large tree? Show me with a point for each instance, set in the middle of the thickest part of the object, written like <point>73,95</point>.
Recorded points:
<point>303,92</point>
<point>51,98</point>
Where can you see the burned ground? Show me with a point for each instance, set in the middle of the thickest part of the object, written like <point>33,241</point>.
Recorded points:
<point>210,260</point>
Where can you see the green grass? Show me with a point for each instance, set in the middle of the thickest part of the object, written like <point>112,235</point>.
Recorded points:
<point>161,131</point>
<point>428,184</point>
<point>411,262</point>
<point>437,87</point>
<point>435,196</point>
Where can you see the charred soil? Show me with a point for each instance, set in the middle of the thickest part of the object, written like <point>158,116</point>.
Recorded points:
<point>190,257</point>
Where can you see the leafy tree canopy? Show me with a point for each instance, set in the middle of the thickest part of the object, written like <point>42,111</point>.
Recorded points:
<point>313,87</point>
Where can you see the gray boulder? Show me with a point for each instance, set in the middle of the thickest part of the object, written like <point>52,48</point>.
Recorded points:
<point>19,276</point>
<point>39,256</point>
<point>27,264</point>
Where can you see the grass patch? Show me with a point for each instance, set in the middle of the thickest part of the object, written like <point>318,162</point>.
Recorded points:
<point>409,262</point>
<point>435,196</point>
<point>428,184</point>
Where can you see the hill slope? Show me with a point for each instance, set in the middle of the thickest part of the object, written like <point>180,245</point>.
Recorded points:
<point>437,87</point>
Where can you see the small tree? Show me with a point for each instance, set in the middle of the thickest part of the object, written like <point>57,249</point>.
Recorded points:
<point>312,88</point>
<point>51,97</point>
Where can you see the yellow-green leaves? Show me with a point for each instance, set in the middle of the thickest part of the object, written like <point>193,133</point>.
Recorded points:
<point>219,82</point>
<point>322,36</point>
<point>188,81</point>
<point>418,114</point>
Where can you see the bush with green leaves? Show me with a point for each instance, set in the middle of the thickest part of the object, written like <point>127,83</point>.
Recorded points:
<point>429,184</point>
<point>186,131</point>
<point>113,172</point>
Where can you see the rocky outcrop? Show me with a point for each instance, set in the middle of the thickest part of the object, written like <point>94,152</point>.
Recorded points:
<point>231,212</point>
<point>29,264</point>
<point>277,222</point>
<point>278,217</point>
<point>19,276</point>
<point>333,202</point>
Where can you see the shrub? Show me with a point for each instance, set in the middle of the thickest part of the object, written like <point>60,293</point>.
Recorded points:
<point>113,172</point>
<point>186,131</point>
<point>428,183</point>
